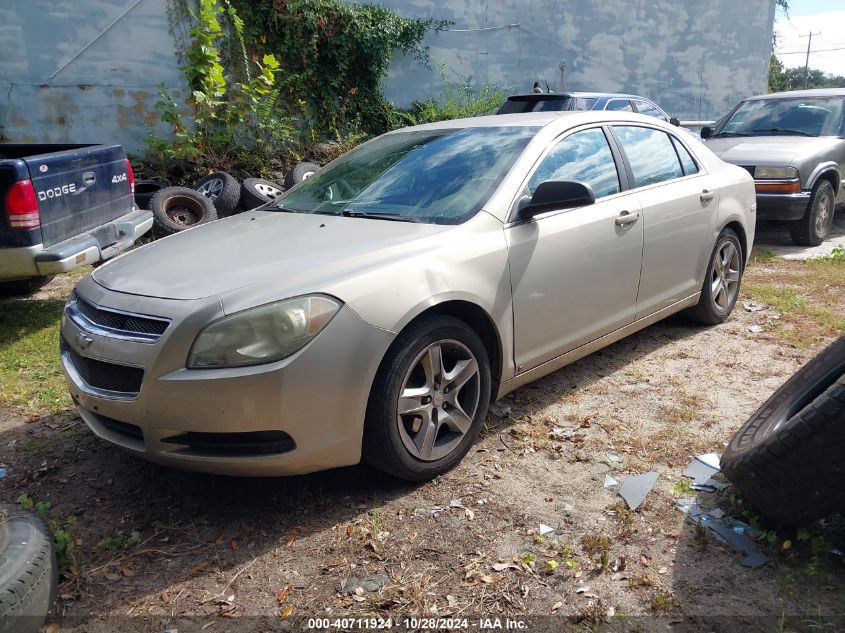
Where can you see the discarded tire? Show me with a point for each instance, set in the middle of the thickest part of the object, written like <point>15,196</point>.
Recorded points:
<point>146,189</point>
<point>223,190</point>
<point>258,191</point>
<point>788,460</point>
<point>300,172</point>
<point>28,574</point>
<point>178,208</point>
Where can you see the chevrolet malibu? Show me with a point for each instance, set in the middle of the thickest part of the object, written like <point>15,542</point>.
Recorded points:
<point>377,308</point>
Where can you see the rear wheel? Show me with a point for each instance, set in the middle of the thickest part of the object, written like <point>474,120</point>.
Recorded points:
<point>814,227</point>
<point>428,401</point>
<point>721,282</point>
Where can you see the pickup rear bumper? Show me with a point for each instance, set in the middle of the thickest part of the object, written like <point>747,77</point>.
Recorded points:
<point>87,248</point>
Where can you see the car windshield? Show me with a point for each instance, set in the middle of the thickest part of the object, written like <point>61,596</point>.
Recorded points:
<point>819,116</point>
<point>436,176</point>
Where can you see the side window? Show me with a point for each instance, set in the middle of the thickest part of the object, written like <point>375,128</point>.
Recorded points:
<point>650,153</point>
<point>687,161</point>
<point>619,105</point>
<point>646,108</point>
<point>584,156</point>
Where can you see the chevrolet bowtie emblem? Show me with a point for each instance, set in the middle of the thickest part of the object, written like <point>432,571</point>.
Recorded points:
<point>83,340</point>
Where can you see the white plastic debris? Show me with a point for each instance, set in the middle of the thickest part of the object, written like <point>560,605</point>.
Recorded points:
<point>545,529</point>
<point>609,482</point>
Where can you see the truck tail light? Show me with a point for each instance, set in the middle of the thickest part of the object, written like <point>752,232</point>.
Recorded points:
<point>131,176</point>
<point>22,206</point>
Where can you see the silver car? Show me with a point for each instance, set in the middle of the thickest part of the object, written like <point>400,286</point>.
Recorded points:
<point>378,307</point>
<point>793,143</point>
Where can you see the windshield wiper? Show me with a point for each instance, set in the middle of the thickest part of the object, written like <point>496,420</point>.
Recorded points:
<point>730,134</point>
<point>393,217</point>
<point>783,130</point>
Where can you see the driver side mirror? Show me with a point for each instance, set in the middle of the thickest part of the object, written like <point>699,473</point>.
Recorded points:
<point>556,195</point>
<point>706,131</point>
<point>675,121</point>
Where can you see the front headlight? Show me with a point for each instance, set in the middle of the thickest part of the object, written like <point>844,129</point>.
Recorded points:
<point>264,334</point>
<point>776,173</point>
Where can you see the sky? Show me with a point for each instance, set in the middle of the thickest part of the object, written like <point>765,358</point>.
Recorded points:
<point>826,19</point>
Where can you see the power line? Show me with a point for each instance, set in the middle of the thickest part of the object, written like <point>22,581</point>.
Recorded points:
<point>818,50</point>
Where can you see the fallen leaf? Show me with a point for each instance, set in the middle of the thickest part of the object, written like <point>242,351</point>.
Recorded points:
<point>52,628</point>
<point>662,570</point>
<point>644,561</point>
<point>349,531</point>
<point>199,566</point>
<point>165,597</point>
<point>291,539</point>
<point>585,423</point>
<point>283,594</point>
<point>234,544</point>
<point>557,605</point>
<point>127,572</point>
<point>487,579</point>
<point>285,613</point>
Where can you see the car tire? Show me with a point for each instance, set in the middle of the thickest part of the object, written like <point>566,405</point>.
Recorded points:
<point>28,572</point>
<point>258,191</point>
<point>178,208</point>
<point>721,281</point>
<point>814,227</point>
<point>145,189</point>
<point>788,459</point>
<point>223,190</point>
<point>420,440</point>
<point>300,172</point>
<point>23,287</point>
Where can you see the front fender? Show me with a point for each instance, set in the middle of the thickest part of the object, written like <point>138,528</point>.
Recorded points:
<point>824,169</point>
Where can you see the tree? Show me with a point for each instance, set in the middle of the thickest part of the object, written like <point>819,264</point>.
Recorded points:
<point>781,79</point>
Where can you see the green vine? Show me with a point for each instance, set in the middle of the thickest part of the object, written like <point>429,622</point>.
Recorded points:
<point>336,56</point>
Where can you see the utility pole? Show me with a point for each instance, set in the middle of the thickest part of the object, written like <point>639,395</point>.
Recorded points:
<point>807,61</point>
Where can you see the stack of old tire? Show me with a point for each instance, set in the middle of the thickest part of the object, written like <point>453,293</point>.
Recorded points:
<point>28,572</point>
<point>788,459</point>
<point>218,195</point>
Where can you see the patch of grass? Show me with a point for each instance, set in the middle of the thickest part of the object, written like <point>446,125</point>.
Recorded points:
<point>760,255</point>
<point>60,528</point>
<point>121,540</point>
<point>662,601</point>
<point>30,374</point>
<point>783,299</point>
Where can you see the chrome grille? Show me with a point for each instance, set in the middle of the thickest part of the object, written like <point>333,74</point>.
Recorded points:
<point>115,323</point>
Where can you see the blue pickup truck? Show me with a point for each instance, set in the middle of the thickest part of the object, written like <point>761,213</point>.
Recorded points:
<point>61,207</point>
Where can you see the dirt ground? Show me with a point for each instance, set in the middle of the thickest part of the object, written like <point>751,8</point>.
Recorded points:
<point>156,549</point>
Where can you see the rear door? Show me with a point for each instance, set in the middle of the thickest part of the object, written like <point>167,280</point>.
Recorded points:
<point>79,190</point>
<point>680,207</point>
<point>574,272</point>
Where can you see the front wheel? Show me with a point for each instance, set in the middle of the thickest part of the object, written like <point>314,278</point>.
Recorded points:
<point>721,282</point>
<point>428,401</point>
<point>814,227</point>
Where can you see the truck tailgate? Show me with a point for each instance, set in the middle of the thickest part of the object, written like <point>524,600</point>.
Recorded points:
<point>79,190</point>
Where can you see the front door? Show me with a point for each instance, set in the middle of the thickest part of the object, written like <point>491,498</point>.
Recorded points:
<point>575,272</point>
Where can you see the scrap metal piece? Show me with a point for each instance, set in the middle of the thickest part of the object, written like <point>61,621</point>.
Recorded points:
<point>739,542</point>
<point>609,481</point>
<point>635,488</point>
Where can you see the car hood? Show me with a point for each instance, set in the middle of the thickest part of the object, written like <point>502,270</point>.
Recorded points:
<point>259,247</point>
<point>768,150</point>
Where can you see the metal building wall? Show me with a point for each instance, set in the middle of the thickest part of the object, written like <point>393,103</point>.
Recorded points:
<point>84,71</point>
<point>696,59</point>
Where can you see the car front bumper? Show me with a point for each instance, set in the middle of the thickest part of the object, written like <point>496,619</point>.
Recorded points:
<point>93,246</point>
<point>782,206</point>
<point>302,414</point>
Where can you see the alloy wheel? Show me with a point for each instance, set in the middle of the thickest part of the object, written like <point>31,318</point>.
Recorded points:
<point>211,189</point>
<point>724,279</point>
<point>438,400</point>
<point>267,190</point>
<point>824,212</point>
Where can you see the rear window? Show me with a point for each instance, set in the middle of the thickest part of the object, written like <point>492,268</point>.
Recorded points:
<point>535,103</point>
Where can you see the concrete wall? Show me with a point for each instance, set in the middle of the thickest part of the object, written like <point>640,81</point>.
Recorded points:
<point>696,59</point>
<point>107,91</point>
<point>88,70</point>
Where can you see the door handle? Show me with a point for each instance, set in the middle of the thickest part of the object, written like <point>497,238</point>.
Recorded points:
<point>706,196</point>
<point>88,178</point>
<point>626,217</point>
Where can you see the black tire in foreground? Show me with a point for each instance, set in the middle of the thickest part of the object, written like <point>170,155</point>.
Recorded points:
<point>788,460</point>
<point>223,190</point>
<point>146,189</point>
<point>28,573</point>
<point>23,287</point>
<point>258,191</point>
<point>178,208</point>
<point>300,172</point>
<point>721,281</point>
<point>428,400</point>
<point>814,227</point>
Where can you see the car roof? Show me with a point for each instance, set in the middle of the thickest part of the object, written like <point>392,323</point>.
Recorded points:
<point>566,119</point>
<point>816,92</point>
<point>589,95</point>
